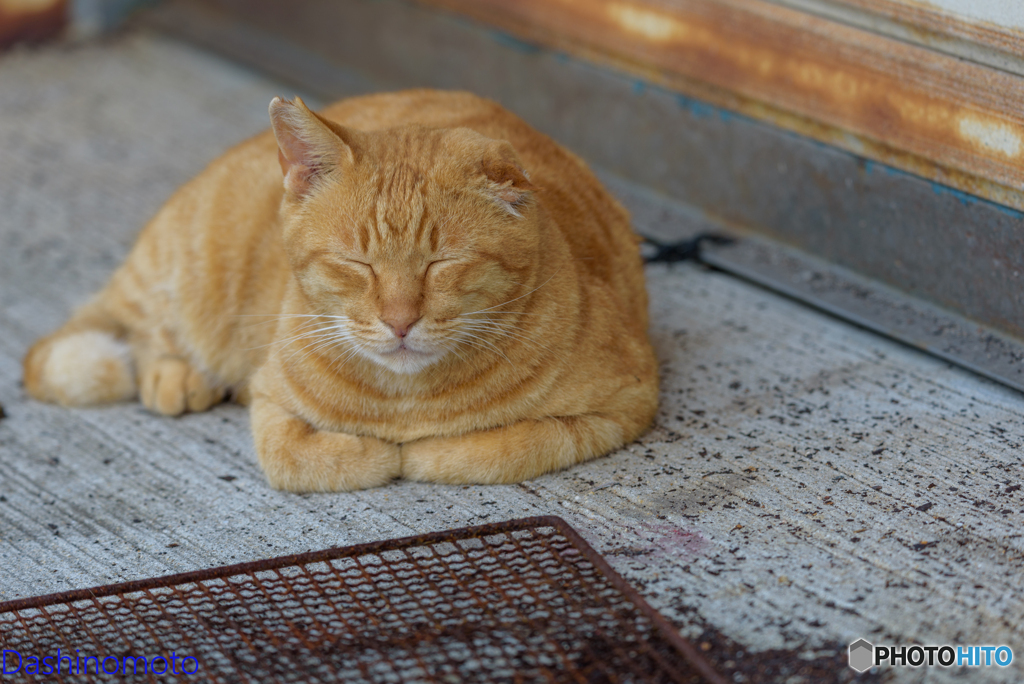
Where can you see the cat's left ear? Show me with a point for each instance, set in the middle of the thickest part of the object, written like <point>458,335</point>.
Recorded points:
<point>308,148</point>
<point>507,181</point>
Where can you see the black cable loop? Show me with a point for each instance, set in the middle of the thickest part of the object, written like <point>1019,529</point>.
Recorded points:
<point>685,250</point>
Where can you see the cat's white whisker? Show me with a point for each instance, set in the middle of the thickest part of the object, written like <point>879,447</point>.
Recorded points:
<point>309,333</point>
<point>511,334</point>
<point>514,298</point>
<point>498,325</point>
<point>349,353</point>
<point>323,340</point>
<point>489,345</point>
<point>277,318</point>
<point>318,323</point>
<point>284,341</point>
<point>498,330</point>
<point>491,313</point>
<point>333,338</point>
<point>452,348</point>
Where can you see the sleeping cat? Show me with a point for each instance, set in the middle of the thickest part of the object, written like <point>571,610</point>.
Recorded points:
<point>435,291</point>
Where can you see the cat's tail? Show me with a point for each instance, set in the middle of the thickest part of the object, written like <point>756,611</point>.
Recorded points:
<point>84,363</point>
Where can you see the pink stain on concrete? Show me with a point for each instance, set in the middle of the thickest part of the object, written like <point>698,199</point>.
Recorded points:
<point>671,541</point>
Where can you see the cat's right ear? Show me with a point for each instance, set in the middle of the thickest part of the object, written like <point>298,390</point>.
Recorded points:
<point>307,148</point>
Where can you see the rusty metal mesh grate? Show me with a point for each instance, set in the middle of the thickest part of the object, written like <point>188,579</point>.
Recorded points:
<point>523,601</point>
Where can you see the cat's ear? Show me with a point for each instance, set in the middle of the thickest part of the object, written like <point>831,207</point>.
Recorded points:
<point>507,181</point>
<point>307,147</point>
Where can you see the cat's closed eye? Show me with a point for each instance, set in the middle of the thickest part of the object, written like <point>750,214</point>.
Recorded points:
<point>363,266</point>
<point>329,274</point>
<point>439,265</point>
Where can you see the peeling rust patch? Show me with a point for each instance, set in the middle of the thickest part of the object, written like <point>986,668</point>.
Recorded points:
<point>997,137</point>
<point>654,26</point>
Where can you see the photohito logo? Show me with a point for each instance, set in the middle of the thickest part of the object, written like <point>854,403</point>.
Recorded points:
<point>864,655</point>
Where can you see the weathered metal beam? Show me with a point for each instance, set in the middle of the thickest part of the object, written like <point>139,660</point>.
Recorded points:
<point>958,123</point>
<point>996,46</point>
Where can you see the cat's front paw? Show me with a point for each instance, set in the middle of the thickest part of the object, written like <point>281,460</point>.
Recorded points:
<point>298,457</point>
<point>329,462</point>
<point>415,460</point>
<point>171,386</point>
<point>431,460</point>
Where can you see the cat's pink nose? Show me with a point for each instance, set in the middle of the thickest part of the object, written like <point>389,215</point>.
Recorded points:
<point>400,325</point>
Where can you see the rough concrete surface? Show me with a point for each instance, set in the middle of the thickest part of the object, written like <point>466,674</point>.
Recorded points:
<point>806,483</point>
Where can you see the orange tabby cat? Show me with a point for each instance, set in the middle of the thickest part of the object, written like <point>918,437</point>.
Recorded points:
<point>436,291</point>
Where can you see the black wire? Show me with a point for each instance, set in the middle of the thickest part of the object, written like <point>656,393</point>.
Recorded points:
<point>685,250</point>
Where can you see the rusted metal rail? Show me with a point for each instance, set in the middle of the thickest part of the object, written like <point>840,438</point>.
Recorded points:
<point>914,108</point>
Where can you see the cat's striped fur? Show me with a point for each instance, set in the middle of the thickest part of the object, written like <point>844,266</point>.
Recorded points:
<point>435,291</point>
